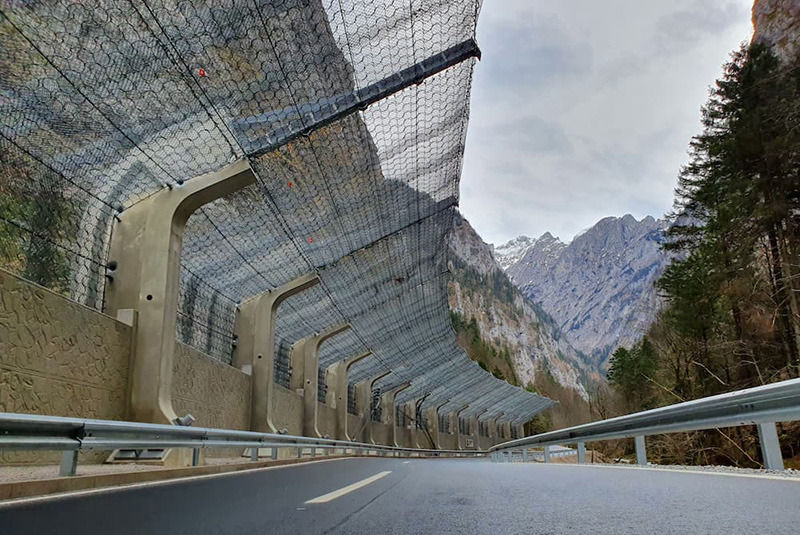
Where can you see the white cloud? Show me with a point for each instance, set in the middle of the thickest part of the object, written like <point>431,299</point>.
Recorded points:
<point>584,109</point>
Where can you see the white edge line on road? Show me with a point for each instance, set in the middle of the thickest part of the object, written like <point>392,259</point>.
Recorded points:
<point>679,471</point>
<point>348,489</point>
<point>88,492</point>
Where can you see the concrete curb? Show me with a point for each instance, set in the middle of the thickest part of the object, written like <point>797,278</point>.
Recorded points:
<point>42,487</point>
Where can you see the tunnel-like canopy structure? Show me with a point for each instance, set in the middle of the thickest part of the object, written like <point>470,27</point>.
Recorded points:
<point>352,115</point>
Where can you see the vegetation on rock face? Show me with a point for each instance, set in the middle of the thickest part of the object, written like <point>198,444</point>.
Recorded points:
<point>512,337</point>
<point>34,219</point>
<point>732,317</point>
<point>571,409</point>
<point>496,360</point>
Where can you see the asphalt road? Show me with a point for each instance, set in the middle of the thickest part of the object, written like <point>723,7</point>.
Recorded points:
<point>425,496</point>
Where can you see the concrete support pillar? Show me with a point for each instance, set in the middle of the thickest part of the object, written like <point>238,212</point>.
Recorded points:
<point>457,428</point>
<point>433,422</point>
<point>364,406</point>
<point>770,446</point>
<point>581,453</point>
<point>255,331</point>
<point>146,254</point>
<point>337,393</point>
<point>521,431</point>
<point>305,375</point>
<point>641,451</point>
<point>411,408</point>
<point>492,423</point>
<point>388,410</point>
<point>476,428</point>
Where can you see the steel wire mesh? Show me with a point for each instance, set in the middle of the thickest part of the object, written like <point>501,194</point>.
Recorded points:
<point>106,104</point>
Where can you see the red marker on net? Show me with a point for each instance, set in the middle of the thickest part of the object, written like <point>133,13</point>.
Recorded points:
<point>201,72</point>
<point>310,240</point>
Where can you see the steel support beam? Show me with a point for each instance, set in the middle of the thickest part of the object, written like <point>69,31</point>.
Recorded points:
<point>311,117</point>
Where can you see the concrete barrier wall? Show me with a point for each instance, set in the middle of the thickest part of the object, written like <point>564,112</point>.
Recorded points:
<point>485,442</point>
<point>326,420</point>
<point>288,407</point>
<point>59,358</point>
<point>354,426</point>
<point>216,394</point>
<point>424,441</point>
<point>447,441</point>
<point>381,433</point>
<point>404,437</point>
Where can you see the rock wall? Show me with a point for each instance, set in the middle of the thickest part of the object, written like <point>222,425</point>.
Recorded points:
<point>777,23</point>
<point>534,341</point>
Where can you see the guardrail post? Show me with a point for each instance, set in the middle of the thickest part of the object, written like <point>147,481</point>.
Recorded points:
<point>313,452</point>
<point>641,450</point>
<point>195,456</point>
<point>525,454</point>
<point>253,454</point>
<point>299,453</point>
<point>274,454</point>
<point>581,453</point>
<point>69,463</point>
<point>770,446</point>
<point>547,454</point>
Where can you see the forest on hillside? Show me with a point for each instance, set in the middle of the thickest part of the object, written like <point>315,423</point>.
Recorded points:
<point>732,291</point>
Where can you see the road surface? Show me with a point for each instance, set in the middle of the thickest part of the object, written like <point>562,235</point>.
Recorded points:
<point>397,496</point>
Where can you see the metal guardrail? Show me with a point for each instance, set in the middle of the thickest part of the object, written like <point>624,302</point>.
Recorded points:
<point>761,406</point>
<point>70,435</point>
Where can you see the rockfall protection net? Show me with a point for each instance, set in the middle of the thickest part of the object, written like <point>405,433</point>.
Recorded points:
<point>352,115</point>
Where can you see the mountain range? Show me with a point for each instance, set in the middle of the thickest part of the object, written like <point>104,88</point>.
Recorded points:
<point>508,320</point>
<point>598,288</point>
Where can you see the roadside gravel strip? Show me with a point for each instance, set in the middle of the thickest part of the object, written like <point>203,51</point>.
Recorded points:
<point>789,473</point>
<point>722,470</point>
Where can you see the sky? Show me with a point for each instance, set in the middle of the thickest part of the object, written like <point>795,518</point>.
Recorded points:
<point>584,109</point>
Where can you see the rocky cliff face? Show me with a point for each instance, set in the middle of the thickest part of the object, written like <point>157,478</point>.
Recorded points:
<point>480,289</point>
<point>599,288</point>
<point>777,23</point>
